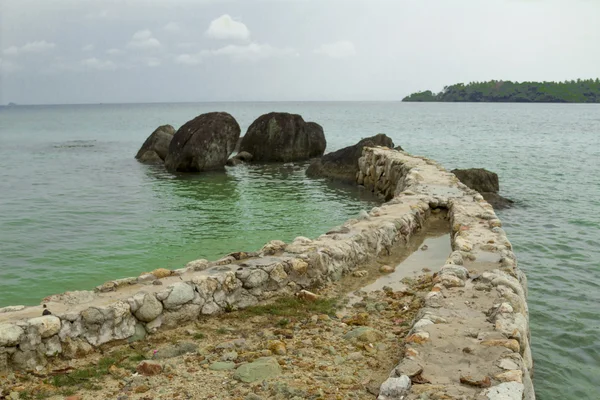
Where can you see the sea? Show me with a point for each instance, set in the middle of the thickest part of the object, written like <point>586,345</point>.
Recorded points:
<point>76,208</point>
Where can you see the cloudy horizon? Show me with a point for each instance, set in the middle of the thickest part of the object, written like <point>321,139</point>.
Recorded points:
<point>110,51</point>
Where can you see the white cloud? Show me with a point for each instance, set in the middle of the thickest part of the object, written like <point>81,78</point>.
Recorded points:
<point>143,40</point>
<point>38,46</point>
<point>249,52</point>
<point>189,59</point>
<point>114,52</point>
<point>87,47</point>
<point>172,27</point>
<point>185,45</point>
<point>226,27</point>
<point>341,49</point>
<point>253,52</point>
<point>101,65</point>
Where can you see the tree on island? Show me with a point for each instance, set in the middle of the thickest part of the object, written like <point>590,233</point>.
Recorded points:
<point>579,91</point>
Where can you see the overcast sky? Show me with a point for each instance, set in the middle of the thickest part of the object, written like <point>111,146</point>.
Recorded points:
<point>90,51</point>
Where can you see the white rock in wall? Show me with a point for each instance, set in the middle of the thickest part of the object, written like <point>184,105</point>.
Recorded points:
<point>45,326</point>
<point>10,334</point>
<point>180,293</point>
<point>394,388</point>
<point>505,391</point>
<point>150,308</point>
<point>102,325</point>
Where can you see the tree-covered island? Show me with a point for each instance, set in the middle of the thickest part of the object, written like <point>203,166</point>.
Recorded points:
<point>579,91</point>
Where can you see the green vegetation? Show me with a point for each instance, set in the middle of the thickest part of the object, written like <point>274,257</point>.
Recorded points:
<point>579,91</point>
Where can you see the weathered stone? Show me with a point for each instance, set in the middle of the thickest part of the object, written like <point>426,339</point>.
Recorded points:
<point>283,137</point>
<point>198,265</point>
<point>386,269</point>
<point>478,381</point>
<point>261,369</point>
<point>102,325</point>
<point>150,309</point>
<point>187,312</point>
<point>277,347</point>
<point>364,334</point>
<point>45,326</point>
<point>154,149</point>
<point>511,344</point>
<point>175,350</point>
<point>510,376</point>
<point>505,391</point>
<point>203,143</point>
<point>149,368</point>
<point>256,278</point>
<point>408,367</point>
<point>394,388</point>
<point>52,346</point>
<point>10,334</point>
<point>180,293</point>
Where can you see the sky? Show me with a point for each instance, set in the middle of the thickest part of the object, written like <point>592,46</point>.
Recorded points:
<point>122,51</point>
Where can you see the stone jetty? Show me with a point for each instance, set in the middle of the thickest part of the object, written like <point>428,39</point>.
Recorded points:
<point>470,340</point>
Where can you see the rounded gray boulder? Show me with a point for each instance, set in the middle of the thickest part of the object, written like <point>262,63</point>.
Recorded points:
<point>203,144</point>
<point>283,137</point>
<point>155,148</point>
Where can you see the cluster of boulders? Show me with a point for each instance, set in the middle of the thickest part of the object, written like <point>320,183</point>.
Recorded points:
<point>206,142</point>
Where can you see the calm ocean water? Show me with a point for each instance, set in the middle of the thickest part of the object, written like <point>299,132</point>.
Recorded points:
<point>76,209</point>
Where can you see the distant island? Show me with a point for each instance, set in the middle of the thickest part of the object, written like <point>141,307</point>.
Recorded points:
<point>579,91</point>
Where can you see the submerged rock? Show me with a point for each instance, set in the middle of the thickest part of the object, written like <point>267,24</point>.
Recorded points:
<point>342,165</point>
<point>240,158</point>
<point>155,148</point>
<point>283,137</point>
<point>203,143</point>
<point>486,183</point>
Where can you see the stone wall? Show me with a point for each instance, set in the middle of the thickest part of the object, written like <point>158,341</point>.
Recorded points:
<point>482,269</point>
<point>472,338</point>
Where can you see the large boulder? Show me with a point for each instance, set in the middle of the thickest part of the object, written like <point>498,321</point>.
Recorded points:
<point>155,148</point>
<point>203,143</point>
<point>486,183</point>
<point>342,165</point>
<point>283,137</point>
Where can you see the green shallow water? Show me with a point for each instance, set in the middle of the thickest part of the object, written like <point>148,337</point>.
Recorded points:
<point>76,209</point>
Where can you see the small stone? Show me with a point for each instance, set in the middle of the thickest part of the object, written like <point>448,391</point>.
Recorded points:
<point>510,376</point>
<point>409,368</point>
<point>229,356</point>
<point>364,334</point>
<point>508,364</point>
<point>74,397</point>
<point>394,388</point>
<point>511,344</point>
<point>505,391</point>
<point>149,368</point>
<point>480,382</point>
<point>360,274</point>
<point>424,247</point>
<point>261,369</point>
<point>222,366</point>
<point>418,338</point>
<point>356,356</point>
<point>161,273</point>
<point>387,269</point>
<point>277,347</point>
<point>141,389</point>
<point>117,372</point>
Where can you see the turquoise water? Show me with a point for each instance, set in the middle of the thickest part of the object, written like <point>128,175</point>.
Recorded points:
<point>76,209</point>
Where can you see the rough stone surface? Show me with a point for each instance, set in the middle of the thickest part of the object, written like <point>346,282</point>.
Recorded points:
<point>10,334</point>
<point>342,165</point>
<point>394,388</point>
<point>155,148</point>
<point>203,143</point>
<point>45,326</point>
<point>261,369</point>
<point>505,391</point>
<point>283,137</point>
<point>150,308</point>
<point>149,368</point>
<point>180,293</point>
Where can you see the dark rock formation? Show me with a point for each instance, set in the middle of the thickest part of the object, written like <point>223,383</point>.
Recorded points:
<point>240,158</point>
<point>155,148</point>
<point>486,183</point>
<point>342,165</point>
<point>283,137</point>
<point>203,143</point>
